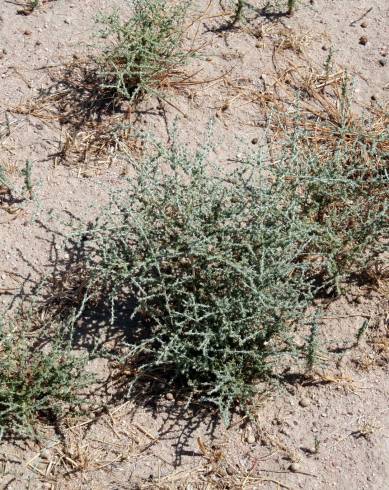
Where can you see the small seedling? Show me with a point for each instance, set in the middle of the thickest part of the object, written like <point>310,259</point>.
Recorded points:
<point>316,446</point>
<point>27,173</point>
<point>4,182</point>
<point>361,331</point>
<point>291,6</point>
<point>312,346</point>
<point>238,13</point>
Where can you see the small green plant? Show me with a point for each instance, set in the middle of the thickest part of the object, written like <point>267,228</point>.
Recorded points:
<point>35,385</point>
<point>238,12</point>
<point>146,53</point>
<point>312,346</point>
<point>4,182</point>
<point>27,174</point>
<point>361,331</point>
<point>291,6</point>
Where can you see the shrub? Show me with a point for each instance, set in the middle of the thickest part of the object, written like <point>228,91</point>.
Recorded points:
<point>342,187</point>
<point>35,385</point>
<point>146,51</point>
<point>209,257</point>
<point>217,266</point>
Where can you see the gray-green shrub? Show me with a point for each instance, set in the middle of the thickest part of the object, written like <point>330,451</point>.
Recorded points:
<point>210,258</point>
<point>145,52</point>
<point>36,384</point>
<point>342,189</point>
<point>218,265</point>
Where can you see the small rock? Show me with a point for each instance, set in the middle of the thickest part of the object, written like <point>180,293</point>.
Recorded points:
<point>27,32</point>
<point>383,62</point>
<point>364,24</point>
<point>373,98</point>
<point>38,43</point>
<point>291,389</point>
<point>67,21</point>
<point>169,396</point>
<point>45,453</point>
<point>324,48</point>
<point>304,402</point>
<point>250,437</point>
<point>254,141</point>
<point>363,40</point>
<point>295,468</point>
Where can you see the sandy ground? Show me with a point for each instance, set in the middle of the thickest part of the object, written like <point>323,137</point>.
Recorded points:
<point>334,430</point>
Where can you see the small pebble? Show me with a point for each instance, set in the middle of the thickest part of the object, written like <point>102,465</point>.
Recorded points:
<point>38,43</point>
<point>45,453</point>
<point>254,141</point>
<point>363,40</point>
<point>169,396</point>
<point>250,437</point>
<point>304,402</point>
<point>383,62</point>
<point>295,467</point>
<point>364,24</point>
<point>27,32</point>
<point>67,21</point>
<point>324,48</point>
<point>374,98</point>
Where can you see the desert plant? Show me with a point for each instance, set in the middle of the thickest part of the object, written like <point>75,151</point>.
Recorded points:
<point>146,51</point>
<point>291,6</point>
<point>238,12</point>
<point>209,258</point>
<point>342,186</point>
<point>216,267</point>
<point>34,384</point>
<point>4,182</point>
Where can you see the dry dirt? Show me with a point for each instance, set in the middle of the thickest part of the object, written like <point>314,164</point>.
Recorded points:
<point>333,429</point>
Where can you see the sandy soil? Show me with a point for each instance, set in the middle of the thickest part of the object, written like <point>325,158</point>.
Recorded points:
<point>332,431</point>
